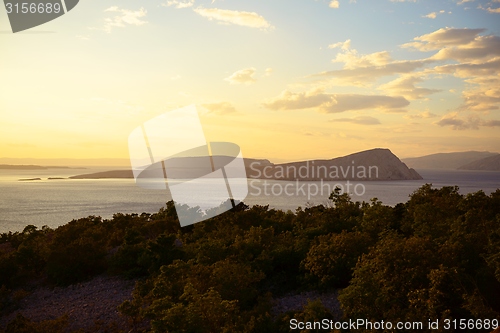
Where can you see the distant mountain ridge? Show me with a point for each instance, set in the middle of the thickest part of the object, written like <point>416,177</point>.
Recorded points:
<point>31,167</point>
<point>491,163</point>
<point>374,164</point>
<point>451,161</point>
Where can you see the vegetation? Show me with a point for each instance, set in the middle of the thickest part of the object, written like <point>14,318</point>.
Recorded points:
<point>436,256</point>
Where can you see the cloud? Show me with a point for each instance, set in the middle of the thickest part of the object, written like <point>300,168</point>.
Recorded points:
<point>347,102</point>
<point>433,15</point>
<point>243,76</point>
<point>483,78</point>
<point>462,45</point>
<point>221,108</point>
<point>465,70</point>
<point>478,58</point>
<point>363,76</point>
<point>125,17</point>
<point>352,60</point>
<point>488,8</point>
<point>403,0</point>
<point>485,97</point>
<point>246,19</point>
<point>334,4</point>
<point>405,86</point>
<point>395,111</point>
<point>268,72</point>
<point>471,122</point>
<point>458,44</point>
<point>423,115</point>
<point>491,123</point>
<point>363,69</point>
<point>293,101</point>
<point>464,1</point>
<point>179,3</point>
<point>444,37</point>
<point>333,103</point>
<point>493,10</point>
<point>482,47</point>
<point>360,120</point>
<point>457,123</point>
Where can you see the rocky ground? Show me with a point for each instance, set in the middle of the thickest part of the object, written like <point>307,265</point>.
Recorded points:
<point>296,302</point>
<point>92,306</point>
<point>89,305</point>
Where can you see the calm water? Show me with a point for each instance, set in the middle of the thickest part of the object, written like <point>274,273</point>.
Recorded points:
<point>56,202</point>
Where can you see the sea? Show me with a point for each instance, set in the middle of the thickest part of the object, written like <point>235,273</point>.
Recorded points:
<point>56,202</point>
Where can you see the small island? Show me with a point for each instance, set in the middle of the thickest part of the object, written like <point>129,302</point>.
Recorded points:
<point>29,179</point>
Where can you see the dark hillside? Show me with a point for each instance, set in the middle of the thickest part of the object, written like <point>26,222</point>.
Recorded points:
<point>253,269</point>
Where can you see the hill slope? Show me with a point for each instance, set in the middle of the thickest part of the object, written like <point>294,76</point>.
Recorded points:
<point>491,163</point>
<point>446,160</point>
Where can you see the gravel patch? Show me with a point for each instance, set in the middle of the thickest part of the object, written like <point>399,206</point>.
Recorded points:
<point>85,303</point>
<point>296,302</point>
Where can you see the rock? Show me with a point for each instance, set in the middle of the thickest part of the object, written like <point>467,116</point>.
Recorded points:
<point>85,303</point>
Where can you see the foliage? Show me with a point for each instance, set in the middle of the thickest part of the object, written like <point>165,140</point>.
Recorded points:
<point>433,257</point>
<point>23,325</point>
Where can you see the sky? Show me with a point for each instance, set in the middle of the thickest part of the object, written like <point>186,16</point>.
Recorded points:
<point>286,80</point>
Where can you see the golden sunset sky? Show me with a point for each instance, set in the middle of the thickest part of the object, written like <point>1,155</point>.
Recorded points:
<point>284,79</point>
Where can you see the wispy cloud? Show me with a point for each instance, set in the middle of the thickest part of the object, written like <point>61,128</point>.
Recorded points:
<point>225,16</point>
<point>363,76</point>
<point>444,37</point>
<point>364,69</point>
<point>422,115</point>
<point>352,59</point>
<point>470,122</point>
<point>179,3</point>
<point>123,18</point>
<point>405,86</point>
<point>478,63</point>
<point>360,120</point>
<point>333,103</point>
<point>433,15</point>
<point>243,76</point>
<point>334,4</point>
<point>493,10</point>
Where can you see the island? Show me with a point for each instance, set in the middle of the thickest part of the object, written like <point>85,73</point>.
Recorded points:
<point>374,164</point>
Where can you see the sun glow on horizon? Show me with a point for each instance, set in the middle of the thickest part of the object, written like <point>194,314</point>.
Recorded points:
<point>286,81</point>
